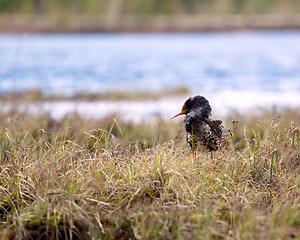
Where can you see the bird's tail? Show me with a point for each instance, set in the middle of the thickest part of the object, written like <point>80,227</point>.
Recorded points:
<point>217,127</point>
<point>225,135</point>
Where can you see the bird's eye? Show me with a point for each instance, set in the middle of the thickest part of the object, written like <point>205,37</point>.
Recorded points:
<point>184,109</point>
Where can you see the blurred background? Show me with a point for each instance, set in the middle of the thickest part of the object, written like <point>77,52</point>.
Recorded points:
<point>146,15</point>
<point>141,59</point>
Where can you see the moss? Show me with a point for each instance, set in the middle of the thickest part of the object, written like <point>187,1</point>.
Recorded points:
<point>223,214</point>
<point>9,233</point>
<point>124,228</point>
<point>54,227</point>
<point>6,204</point>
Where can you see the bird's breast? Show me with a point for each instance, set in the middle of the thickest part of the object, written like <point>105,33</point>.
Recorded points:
<point>194,125</point>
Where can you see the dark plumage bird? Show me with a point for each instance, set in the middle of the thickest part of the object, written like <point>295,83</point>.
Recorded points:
<point>199,127</point>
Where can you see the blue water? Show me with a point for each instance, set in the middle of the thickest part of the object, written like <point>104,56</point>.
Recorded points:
<point>70,63</point>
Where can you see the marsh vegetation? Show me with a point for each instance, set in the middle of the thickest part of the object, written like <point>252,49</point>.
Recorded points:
<point>80,178</point>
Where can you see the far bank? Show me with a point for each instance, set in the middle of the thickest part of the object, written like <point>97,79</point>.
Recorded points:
<point>16,23</point>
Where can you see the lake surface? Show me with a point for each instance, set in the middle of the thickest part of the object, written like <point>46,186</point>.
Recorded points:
<point>70,63</point>
<point>234,70</point>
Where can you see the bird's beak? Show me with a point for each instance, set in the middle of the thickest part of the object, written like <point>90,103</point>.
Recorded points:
<point>176,115</point>
<point>183,111</point>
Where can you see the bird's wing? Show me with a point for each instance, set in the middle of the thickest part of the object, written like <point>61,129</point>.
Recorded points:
<point>215,126</point>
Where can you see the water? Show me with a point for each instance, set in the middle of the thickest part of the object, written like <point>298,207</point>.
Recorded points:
<point>233,70</point>
<point>70,63</point>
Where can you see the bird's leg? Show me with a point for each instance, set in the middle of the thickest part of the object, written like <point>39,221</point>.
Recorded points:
<point>211,158</point>
<point>195,156</point>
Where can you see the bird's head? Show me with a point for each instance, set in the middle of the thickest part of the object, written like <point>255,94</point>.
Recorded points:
<point>197,104</point>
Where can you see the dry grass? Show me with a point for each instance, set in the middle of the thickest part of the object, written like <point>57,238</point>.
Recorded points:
<point>87,179</point>
<point>36,95</point>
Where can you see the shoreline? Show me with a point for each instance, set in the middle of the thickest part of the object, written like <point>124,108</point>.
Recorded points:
<point>224,104</point>
<point>143,24</point>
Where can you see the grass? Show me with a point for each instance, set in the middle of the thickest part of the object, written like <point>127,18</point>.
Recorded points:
<point>102,179</point>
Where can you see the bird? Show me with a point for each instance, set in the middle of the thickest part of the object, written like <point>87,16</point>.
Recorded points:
<point>199,126</point>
